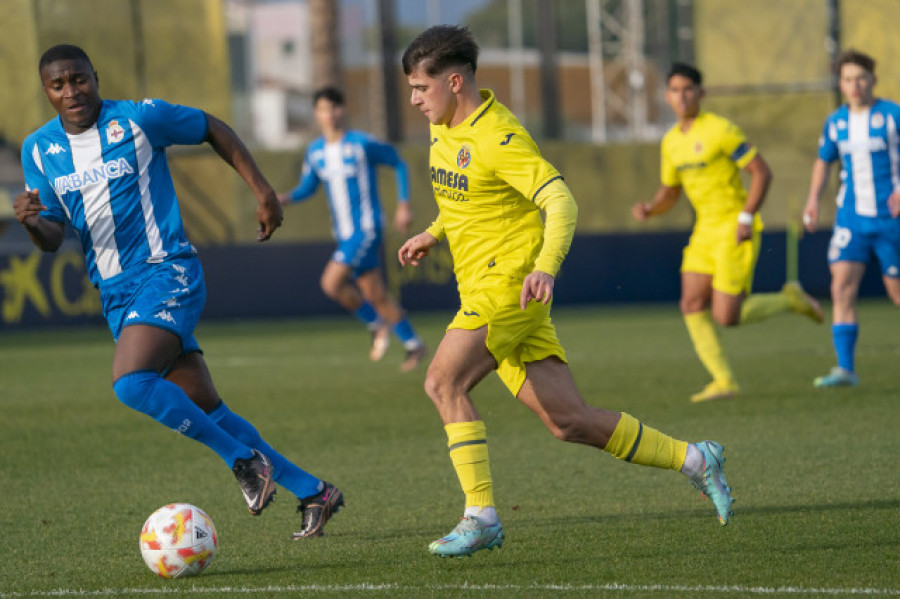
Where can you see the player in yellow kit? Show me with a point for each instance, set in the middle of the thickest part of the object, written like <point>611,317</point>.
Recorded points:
<point>491,185</point>
<point>703,153</point>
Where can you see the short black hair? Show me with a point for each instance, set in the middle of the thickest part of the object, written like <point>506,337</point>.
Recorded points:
<point>330,93</point>
<point>439,48</point>
<point>685,70</point>
<point>63,52</point>
<point>851,56</point>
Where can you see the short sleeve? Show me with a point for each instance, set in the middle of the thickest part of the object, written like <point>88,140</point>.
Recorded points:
<point>171,124</point>
<point>828,148</point>
<point>33,168</point>
<point>519,162</point>
<point>668,173</point>
<point>734,144</point>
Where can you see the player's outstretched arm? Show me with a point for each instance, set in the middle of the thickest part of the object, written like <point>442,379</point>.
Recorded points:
<point>229,146</point>
<point>663,200</point>
<point>816,185</point>
<point>760,179</point>
<point>416,248</point>
<point>45,234</point>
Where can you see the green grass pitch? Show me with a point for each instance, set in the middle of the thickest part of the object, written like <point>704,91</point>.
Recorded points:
<point>815,472</point>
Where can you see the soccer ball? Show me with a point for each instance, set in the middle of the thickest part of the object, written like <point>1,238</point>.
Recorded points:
<point>178,539</point>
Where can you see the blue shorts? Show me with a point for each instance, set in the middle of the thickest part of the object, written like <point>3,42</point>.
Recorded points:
<point>169,295</point>
<point>879,237</point>
<point>361,252</point>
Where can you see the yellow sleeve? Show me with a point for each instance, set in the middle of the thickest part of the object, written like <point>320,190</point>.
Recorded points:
<point>561,215</point>
<point>519,163</point>
<point>734,144</point>
<point>668,172</point>
<point>437,229</point>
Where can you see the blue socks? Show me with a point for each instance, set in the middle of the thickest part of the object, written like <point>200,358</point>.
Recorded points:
<point>403,329</point>
<point>844,338</point>
<point>406,334</point>
<point>300,483</point>
<point>367,314</point>
<point>221,430</point>
<point>147,392</point>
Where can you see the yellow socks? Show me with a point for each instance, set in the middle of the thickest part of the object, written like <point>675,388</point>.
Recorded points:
<point>633,442</point>
<point>759,306</point>
<point>706,343</point>
<point>468,451</point>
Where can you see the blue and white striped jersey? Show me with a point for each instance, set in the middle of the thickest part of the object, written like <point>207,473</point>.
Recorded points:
<point>349,170</point>
<point>112,182</point>
<point>868,146</point>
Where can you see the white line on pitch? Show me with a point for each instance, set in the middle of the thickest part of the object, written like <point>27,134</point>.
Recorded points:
<point>659,588</point>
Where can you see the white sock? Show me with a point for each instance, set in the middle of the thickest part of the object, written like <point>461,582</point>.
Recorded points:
<point>693,462</point>
<point>488,514</point>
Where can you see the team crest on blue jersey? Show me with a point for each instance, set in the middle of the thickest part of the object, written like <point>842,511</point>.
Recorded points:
<point>114,132</point>
<point>464,157</point>
<point>877,120</point>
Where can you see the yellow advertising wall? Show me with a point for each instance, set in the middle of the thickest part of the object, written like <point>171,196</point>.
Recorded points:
<point>176,49</point>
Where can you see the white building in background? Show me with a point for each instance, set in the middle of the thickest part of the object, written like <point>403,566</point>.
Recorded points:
<point>271,63</point>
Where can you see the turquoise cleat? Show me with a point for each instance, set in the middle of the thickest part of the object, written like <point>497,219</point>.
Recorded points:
<point>711,480</point>
<point>469,536</point>
<point>838,377</point>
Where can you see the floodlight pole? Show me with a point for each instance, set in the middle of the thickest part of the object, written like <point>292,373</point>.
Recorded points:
<point>546,34</point>
<point>140,59</point>
<point>516,58</point>
<point>392,122</point>
<point>833,46</point>
<point>595,65</point>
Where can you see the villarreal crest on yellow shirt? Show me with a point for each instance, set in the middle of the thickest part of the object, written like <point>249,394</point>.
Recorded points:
<point>705,161</point>
<point>485,174</point>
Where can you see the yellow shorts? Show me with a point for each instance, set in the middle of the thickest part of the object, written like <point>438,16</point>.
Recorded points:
<point>731,265</point>
<point>515,336</point>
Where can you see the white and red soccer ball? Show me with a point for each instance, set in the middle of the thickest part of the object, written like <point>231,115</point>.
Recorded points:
<point>178,539</point>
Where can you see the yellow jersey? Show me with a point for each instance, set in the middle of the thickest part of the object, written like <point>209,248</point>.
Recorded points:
<point>706,161</point>
<point>486,173</point>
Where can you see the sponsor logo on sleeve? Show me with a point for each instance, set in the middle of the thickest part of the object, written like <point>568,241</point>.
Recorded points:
<point>54,149</point>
